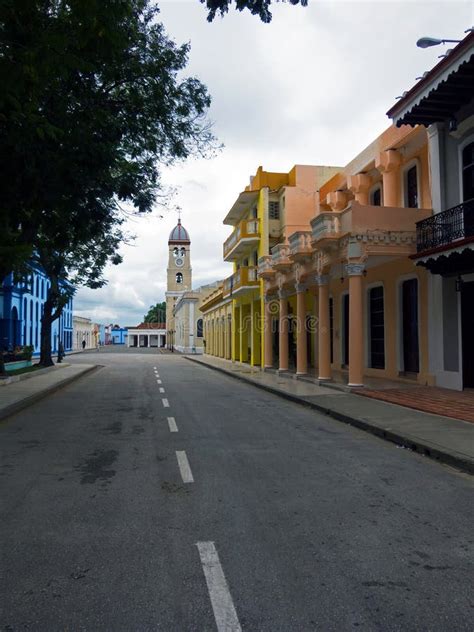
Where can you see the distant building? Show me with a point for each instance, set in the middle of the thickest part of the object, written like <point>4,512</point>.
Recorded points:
<point>188,320</point>
<point>21,308</point>
<point>84,332</point>
<point>115,335</point>
<point>147,335</point>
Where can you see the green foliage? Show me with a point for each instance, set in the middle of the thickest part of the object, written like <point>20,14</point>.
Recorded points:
<point>256,7</point>
<point>156,313</point>
<point>93,102</point>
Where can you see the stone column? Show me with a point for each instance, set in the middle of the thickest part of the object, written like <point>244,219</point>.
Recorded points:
<point>356,325</point>
<point>301,347</point>
<point>359,185</point>
<point>388,163</point>
<point>437,171</point>
<point>268,339</point>
<point>324,342</point>
<point>283,333</point>
<point>252,333</point>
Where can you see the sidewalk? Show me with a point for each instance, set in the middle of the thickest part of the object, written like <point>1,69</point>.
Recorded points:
<point>443,438</point>
<point>21,393</point>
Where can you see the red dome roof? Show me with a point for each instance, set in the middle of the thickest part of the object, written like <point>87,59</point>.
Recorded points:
<point>179,233</point>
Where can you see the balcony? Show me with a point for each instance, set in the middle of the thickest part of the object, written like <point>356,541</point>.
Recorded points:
<point>446,228</point>
<point>326,225</point>
<point>300,245</point>
<point>245,236</point>
<point>374,224</point>
<point>281,257</point>
<point>240,282</point>
<point>265,268</point>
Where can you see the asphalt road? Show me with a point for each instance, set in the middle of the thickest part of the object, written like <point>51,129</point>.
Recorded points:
<point>315,525</point>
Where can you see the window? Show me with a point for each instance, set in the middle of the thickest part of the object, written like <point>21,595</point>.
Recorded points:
<point>182,252</point>
<point>377,328</point>
<point>199,328</point>
<point>274,210</point>
<point>179,277</point>
<point>376,196</point>
<point>468,172</point>
<point>175,251</point>
<point>411,187</point>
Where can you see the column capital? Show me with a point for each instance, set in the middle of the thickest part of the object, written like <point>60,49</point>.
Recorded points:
<point>359,183</point>
<point>322,279</point>
<point>388,160</point>
<point>355,269</point>
<point>301,287</point>
<point>282,294</point>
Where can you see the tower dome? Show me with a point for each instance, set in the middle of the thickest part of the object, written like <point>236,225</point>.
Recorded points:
<point>179,234</point>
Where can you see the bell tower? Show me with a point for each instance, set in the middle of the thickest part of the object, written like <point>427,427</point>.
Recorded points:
<point>179,273</point>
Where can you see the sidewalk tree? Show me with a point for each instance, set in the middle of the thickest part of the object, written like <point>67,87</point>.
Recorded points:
<point>93,103</point>
<point>256,7</point>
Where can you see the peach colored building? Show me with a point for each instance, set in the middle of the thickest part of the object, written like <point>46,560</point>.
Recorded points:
<point>323,280</point>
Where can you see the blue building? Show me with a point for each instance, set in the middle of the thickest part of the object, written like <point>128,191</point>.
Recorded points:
<point>21,307</point>
<point>118,335</point>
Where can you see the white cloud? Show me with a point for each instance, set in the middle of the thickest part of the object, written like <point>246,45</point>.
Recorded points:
<point>312,87</point>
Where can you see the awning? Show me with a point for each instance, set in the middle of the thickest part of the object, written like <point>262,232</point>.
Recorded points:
<point>240,206</point>
<point>442,91</point>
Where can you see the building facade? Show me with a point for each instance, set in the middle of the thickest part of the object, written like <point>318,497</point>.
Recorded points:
<point>217,323</point>
<point>272,207</point>
<point>188,319</point>
<point>21,308</point>
<point>147,335</point>
<point>85,333</point>
<point>443,102</point>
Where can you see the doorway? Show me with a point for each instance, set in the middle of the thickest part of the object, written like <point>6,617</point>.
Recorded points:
<point>467,312</point>
<point>411,358</point>
<point>345,330</point>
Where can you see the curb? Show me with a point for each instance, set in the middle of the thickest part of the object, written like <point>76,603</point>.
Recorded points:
<point>415,445</point>
<point>12,409</point>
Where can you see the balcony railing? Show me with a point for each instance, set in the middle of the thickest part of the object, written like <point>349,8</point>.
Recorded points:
<point>246,233</point>
<point>300,244</point>
<point>445,228</point>
<point>265,268</point>
<point>281,257</point>
<point>326,224</point>
<point>242,280</point>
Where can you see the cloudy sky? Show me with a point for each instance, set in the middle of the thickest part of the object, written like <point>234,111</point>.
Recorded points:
<point>312,87</point>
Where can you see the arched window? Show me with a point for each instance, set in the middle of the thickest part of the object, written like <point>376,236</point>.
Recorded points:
<point>179,277</point>
<point>175,251</point>
<point>199,328</point>
<point>182,252</point>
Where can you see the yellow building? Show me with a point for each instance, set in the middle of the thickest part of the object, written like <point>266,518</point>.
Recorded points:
<point>272,207</point>
<point>342,293</point>
<point>217,322</point>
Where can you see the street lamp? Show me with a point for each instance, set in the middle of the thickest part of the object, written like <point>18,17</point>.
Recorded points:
<point>426,42</point>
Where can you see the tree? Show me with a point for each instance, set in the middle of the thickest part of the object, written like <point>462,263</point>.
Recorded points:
<point>156,313</point>
<point>93,103</point>
<point>256,7</point>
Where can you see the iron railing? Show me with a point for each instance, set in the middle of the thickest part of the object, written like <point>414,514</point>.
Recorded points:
<point>445,228</point>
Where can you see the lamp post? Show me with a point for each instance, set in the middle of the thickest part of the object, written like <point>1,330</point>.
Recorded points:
<point>426,42</point>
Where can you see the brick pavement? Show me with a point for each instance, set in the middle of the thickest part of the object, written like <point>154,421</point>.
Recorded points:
<point>430,399</point>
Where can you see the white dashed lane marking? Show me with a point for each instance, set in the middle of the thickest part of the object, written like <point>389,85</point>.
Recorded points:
<point>162,390</point>
<point>166,403</point>
<point>172,424</point>
<point>221,600</point>
<point>184,468</point>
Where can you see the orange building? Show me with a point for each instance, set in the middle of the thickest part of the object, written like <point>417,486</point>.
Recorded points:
<point>342,296</point>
